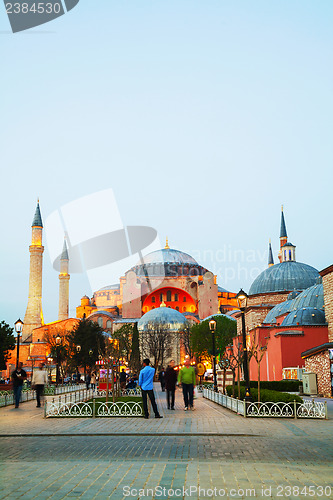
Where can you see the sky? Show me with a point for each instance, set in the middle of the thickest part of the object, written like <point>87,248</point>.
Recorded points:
<point>202,116</point>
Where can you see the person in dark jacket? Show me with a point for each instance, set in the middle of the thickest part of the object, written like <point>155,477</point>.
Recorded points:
<point>170,384</point>
<point>161,378</point>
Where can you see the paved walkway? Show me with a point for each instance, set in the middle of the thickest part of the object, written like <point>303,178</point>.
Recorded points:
<point>209,448</point>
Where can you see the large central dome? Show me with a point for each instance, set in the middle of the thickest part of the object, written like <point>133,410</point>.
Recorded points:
<point>168,262</point>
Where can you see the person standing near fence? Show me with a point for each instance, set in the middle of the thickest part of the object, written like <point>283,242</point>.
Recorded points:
<point>170,384</point>
<point>186,378</point>
<point>146,382</point>
<point>39,380</point>
<point>18,377</point>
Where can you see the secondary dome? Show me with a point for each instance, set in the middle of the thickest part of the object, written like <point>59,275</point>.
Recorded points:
<point>304,316</point>
<point>311,297</point>
<point>165,318</point>
<point>286,276</point>
<point>168,262</point>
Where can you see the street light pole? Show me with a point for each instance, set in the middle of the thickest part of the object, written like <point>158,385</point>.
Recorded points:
<point>18,328</point>
<point>212,326</point>
<point>242,303</point>
<point>58,341</point>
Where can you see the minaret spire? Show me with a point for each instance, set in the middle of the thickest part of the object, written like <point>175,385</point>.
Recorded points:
<point>270,255</point>
<point>34,315</point>
<point>64,284</point>
<point>283,234</point>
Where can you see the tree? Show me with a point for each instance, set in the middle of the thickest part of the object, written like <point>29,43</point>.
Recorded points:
<point>90,337</point>
<point>7,343</point>
<point>201,336</point>
<point>257,350</point>
<point>123,337</point>
<point>59,351</point>
<point>157,344</point>
<point>185,338</point>
<point>135,362</point>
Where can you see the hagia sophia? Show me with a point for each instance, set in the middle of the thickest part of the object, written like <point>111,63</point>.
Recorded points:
<point>290,305</point>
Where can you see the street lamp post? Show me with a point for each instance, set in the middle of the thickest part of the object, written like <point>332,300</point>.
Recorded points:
<point>18,328</point>
<point>242,303</point>
<point>58,342</point>
<point>212,327</point>
<point>78,350</point>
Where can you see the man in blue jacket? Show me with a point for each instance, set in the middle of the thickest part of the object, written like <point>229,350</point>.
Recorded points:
<point>146,379</point>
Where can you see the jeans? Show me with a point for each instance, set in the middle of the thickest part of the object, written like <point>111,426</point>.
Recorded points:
<point>151,395</point>
<point>188,394</point>
<point>17,394</point>
<point>39,392</point>
<point>170,398</point>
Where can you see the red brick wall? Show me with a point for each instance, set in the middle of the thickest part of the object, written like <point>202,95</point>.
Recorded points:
<point>320,364</point>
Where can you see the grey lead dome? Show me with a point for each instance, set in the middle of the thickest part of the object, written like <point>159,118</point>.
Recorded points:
<point>286,276</point>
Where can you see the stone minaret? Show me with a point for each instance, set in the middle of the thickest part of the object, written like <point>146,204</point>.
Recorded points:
<point>64,284</point>
<point>34,316</point>
<point>283,234</point>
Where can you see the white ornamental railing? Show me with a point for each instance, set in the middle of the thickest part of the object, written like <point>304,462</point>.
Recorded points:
<point>85,405</point>
<point>306,409</point>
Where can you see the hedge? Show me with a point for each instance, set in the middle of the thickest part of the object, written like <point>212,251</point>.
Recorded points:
<point>266,395</point>
<point>277,385</point>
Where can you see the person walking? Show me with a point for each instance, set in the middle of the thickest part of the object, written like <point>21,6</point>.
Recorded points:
<point>93,381</point>
<point>170,384</point>
<point>39,380</point>
<point>161,378</point>
<point>122,379</point>
<point>186,378</point>
<point>18,377</point>
<point>146,380</point>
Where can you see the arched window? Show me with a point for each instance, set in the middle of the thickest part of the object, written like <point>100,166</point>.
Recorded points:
<point>108,324</point>
<point>153,299</point>
<point>153,307</point>
<point>184,309</point>
<point>184,298</point>
<point>289,254</point>
<point>177,308</point>
<point>169,296</point>
<point>176,297</point>
<point>161,297</point>
<point>100,322</point>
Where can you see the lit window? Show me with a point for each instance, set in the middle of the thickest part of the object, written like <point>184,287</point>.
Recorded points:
<point>184,309</point>
<point>100,322</point>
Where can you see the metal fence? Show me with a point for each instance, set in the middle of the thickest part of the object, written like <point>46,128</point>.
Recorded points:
<point>7,397</point>
<point>85,404</point>
<point>306,409</point>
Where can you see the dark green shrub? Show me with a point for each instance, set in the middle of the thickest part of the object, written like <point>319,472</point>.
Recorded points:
<point>277,385</point>
<point>267,395</point>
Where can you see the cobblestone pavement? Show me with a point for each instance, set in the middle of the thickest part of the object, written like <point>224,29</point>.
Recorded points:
<point>208,448</point>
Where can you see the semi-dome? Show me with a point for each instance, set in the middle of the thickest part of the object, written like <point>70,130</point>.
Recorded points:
<point>168,262</point>
<point>311,297</point>
<point>286,276</point>
<point>165,318</point>
<point>304,316</point>
<point>109,287</point>
<point>282,308</point>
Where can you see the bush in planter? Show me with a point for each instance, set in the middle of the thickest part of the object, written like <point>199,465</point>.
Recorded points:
<point>268,395</point>
<point>276,385</point>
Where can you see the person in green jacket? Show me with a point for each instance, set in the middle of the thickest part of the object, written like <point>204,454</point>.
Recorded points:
<point>186,378</point>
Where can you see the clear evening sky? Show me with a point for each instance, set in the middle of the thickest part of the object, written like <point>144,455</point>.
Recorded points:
<point>203,116</point>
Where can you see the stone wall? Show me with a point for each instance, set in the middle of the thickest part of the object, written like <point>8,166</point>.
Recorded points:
<point>320,364</point>
<point>327,275</point>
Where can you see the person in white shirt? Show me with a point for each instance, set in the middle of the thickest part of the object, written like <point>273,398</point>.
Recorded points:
<point>39,379</point>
